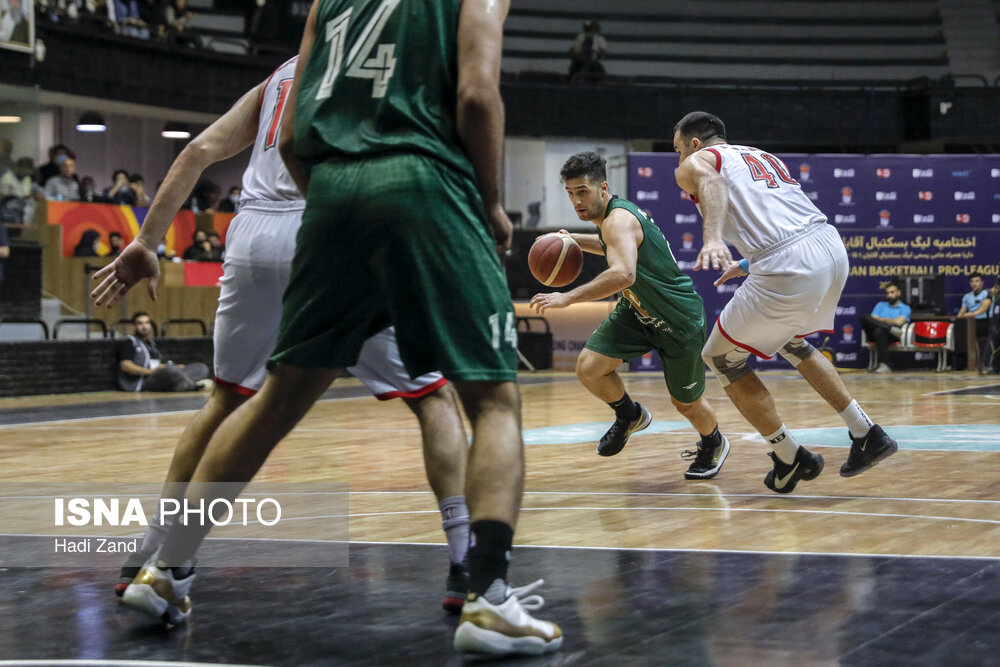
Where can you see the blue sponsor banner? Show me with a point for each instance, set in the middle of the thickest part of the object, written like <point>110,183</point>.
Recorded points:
<point>899,215</point>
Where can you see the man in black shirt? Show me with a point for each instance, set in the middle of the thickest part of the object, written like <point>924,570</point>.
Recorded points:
<point>141,366</point>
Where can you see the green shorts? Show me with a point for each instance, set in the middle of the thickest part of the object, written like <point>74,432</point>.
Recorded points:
<point>622,336</point>
<point>399,239</point>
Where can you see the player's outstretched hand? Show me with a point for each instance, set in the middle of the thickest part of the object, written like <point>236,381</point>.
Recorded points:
<point>714,254</point>
<point>135,263</point>
<point>542,302</point>
<point>732,271</point>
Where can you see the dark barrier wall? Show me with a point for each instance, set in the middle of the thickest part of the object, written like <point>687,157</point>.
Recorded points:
<point>899,215</point>
<point>71,366</point>
<point>21,281</point>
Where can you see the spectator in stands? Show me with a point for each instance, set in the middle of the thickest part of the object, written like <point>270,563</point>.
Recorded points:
<point>200,249</point>
<point>218,250</point>
<point>17,192</point>
<point>586,52</point>
<point>138,185</point>
<point>115,243</point>
<point>153,14</point>
<point>14,23</point>
<point>57,154</point>
<point>206,196</point>
<point>64,186</point>
<point>89,245</point>
<point>141,366</point>
<point>885,324</point>
<point>231,203</point>
<point>178,15</point>
<point>119,191</point>
<point>128,19</point>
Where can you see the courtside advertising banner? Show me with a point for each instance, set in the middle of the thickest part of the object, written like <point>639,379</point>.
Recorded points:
<point>898,215</point>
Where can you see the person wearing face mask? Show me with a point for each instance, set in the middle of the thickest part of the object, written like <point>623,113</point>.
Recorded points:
<point>884,325</point>
<point>231,203</point>
<point>57,154</point>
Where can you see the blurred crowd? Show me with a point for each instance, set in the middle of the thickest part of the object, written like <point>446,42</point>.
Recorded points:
<point>23,184</point>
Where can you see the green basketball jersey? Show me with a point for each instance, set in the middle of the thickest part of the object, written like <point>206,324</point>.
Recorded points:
<point>381,78</point>
<point>662,296</point>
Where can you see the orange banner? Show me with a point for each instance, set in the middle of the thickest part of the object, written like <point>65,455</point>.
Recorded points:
<point>77,218</point>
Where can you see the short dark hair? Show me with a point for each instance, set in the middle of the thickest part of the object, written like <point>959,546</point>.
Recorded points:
<point>213,233</point>
<point>587,163</point>
<point>893,283</point>
<point>977,274</point>
<point>112,234</point>
<point>141,313</point>
<point>701,125</point>
<point>115,173</point>
<point>136,178</point>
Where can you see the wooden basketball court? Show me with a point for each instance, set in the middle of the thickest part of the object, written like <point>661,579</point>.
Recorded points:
<point>901,563</point>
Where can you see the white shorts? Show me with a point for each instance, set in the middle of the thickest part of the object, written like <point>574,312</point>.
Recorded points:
<point>791,292</point>
<point>260,245</point>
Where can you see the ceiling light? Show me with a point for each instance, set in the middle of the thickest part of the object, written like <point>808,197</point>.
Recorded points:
<point>175,131</point>
<point>91,121</point>
<point>10,119</point>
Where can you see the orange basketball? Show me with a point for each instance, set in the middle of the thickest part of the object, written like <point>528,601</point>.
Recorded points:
<point>555,259</point>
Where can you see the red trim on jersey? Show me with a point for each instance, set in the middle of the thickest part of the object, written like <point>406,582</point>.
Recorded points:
<point>814,332</point>
<point>417,393</point>
<point>260,104</point>
<point>238,388</point>
<point>718,323</point>
<point>694,198</point>
<point>718,158</point>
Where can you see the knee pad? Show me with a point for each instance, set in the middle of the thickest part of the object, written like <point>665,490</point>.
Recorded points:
<point>727,362</point>
<point>796,350</point>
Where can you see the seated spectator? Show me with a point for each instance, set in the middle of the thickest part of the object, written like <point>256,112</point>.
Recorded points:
<point>119,192</point>
<point>57,154</point>
<point>138,185</point>
<point>586,52</point>
<point>218,250</point>
<point>14,23</point>
<point>141,367</point>
<point>975,312</point>
<point>17,192</point>
<point>232,202</point>
<point>89,245</point>
<point>64,186</point>
<point>976,302</point>
<point>206,196</point>
<point>177,15</point>
<point>885,323</point>
<point>153,14</point>
<point>88,191</point>
<point>115,243</point>
<point>200,249</point>
<point>128,19</point>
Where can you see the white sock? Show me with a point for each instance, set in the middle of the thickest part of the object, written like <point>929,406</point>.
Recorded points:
<point>783,444</point>
<point>857,421</point>
<point>156,534</point>
<point>455,521</point>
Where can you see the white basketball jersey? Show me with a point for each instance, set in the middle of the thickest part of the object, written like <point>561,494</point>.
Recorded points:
<point>266,176</point>
<point>766,205</point>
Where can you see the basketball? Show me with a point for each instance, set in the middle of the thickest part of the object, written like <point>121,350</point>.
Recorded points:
<point>555,259</point>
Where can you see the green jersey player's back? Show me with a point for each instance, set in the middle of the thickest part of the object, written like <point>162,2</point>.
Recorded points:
<point>381,78</point>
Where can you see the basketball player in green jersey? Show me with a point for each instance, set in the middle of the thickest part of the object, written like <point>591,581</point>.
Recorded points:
<point>659,310</point>
<point>393,132</point>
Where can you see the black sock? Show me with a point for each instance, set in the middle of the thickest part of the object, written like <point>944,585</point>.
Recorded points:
<point>625,408</point>
<point>489,553</point>
<point>713,439</point>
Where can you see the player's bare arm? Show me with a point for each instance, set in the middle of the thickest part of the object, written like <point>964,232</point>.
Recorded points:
<point>697,176</point>
<point>480,112</point>
<point>588,243</point>
<point>286,142</point>
<point>231,133</point>
<point>622,235</point>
